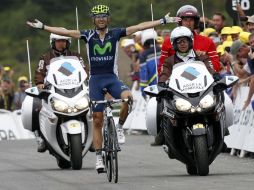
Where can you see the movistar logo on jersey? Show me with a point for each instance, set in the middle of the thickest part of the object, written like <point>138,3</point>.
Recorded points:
<point>102,50</point>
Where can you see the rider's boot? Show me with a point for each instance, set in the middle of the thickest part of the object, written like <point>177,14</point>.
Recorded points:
<point>92,149</point>
<point>159,139</point>
<point>226,133</point>
<point>99,165</point>
<point>120,134</point>
<point>40,141</point>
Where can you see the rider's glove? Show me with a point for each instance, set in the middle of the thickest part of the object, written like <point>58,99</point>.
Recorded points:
<point>162,84</point>
<point>37,24</point>
<point>216,76</point>
<point>167,19</point>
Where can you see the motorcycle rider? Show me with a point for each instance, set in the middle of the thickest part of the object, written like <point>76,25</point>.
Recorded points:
<point>201,44</point>
<point>182,42</point>
<point>102,44</point>
<point>59,47</point>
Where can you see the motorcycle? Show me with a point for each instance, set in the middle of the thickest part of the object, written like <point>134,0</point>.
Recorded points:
<point>64,118</point>
<point>192,115</point>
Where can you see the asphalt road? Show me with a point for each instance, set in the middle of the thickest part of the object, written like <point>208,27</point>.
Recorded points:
<point>141,167</point>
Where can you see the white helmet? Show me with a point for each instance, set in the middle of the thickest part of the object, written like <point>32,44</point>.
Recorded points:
<point>181,31</point>
<point>53,37</point>
<point>147,35</point>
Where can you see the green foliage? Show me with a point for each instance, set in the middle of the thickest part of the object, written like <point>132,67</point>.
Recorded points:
<point>14,14</point>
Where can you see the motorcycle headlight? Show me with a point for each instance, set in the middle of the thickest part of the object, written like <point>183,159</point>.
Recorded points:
<point>82,103</point>
<point>182,105</point>
<point>60,106</point>
<point>207,102</point>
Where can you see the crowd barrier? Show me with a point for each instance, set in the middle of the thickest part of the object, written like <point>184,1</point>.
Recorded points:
<point>11,127</point>
<point>242,131</point>
<point>136,119</point>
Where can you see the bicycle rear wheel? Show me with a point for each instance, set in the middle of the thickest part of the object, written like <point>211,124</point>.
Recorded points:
<point>114,148</point>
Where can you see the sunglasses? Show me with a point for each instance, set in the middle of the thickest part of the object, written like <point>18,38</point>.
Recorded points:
<point>101,16</point>
<point>182,40</point>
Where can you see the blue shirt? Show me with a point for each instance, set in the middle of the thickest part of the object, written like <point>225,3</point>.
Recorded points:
<point>102,53</point>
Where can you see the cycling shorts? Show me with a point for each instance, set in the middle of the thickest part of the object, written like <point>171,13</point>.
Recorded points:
<point>109,81</point>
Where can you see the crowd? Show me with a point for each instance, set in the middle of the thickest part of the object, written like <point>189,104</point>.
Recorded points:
<point>230,48</point>
<point>12,94</point>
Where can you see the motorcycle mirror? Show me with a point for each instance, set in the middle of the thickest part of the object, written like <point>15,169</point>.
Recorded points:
<point>152,90</point>
<point>225,82</point>
<point>33,91</point>
<point>231,80</point>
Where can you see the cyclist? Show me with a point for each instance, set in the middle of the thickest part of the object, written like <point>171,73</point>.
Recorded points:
<point>201,44</point>
<point>102,45</point>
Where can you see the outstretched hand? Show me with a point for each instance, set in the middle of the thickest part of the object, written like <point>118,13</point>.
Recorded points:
<point>167,19</point>
<point>37,24</point>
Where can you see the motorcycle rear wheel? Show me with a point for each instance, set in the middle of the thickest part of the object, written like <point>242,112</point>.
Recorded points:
<point>75,151</point>
<point>201,155</point>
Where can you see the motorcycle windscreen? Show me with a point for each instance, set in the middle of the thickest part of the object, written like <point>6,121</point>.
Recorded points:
<point>190,77</point>
<point>66,72</point>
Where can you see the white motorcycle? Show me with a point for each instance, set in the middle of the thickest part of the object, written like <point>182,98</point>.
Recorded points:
<point>64,119</point>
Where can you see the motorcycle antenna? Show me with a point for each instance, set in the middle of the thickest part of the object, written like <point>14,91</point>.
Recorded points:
<point>203,12</point>
<point>154,47</point>
<point>77,28</point>
<point>29,63</point>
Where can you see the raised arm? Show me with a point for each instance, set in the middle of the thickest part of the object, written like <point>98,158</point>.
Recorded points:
<point>56,30</point>
<point>150,24</point>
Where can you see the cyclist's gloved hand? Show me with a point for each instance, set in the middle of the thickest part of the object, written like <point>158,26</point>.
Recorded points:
<point>167,19</point>
<point>163,84</point>
<point>37,24</point>
<point>216,77</point>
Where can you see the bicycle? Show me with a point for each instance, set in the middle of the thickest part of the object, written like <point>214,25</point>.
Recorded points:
<point>111,146</point>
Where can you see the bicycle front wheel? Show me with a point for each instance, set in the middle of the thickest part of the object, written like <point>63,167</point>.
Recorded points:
<point>114,148</point>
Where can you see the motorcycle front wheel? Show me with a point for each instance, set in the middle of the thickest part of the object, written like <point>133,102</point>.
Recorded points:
<point>201,155</point>
<point>75,151</point>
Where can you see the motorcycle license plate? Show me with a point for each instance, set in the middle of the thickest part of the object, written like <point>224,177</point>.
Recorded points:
<point>198,126</point>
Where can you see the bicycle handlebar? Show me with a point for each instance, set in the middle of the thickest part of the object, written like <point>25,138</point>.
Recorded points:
<point>113,101</point>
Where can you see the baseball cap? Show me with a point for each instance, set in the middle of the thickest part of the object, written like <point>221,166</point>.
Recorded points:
<point>235,47</point>
<point>250,19</point>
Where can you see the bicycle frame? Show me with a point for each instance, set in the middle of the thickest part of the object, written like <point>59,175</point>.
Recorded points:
<point>111,146</point>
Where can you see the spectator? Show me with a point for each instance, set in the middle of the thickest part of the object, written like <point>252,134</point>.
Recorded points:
<point>240,52</point>
<point>250,24</point>
<point>20,95</point>
<point>244,37</point>
<point>137,39</point>
<point>6,94</point>
<point>249,68</point>
<point>165,33</point>
<point>225,34</point>
<point>225,60</point>
<point>235,32</point>
<point>148,72</point>
<point>218,21</point>
<point>128,46</point>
